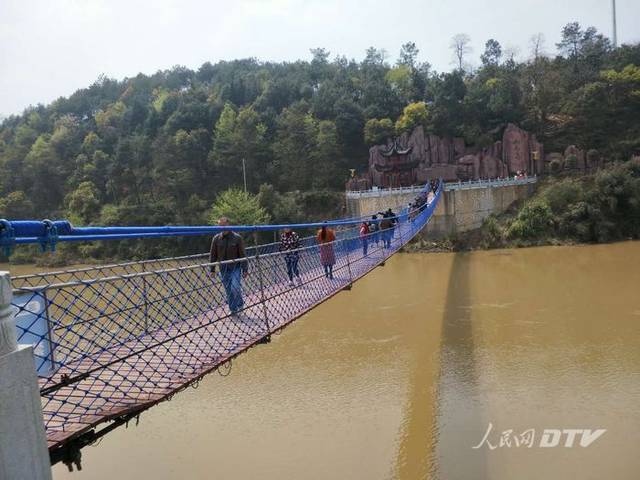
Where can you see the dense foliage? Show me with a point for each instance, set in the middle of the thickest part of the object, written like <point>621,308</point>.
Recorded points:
<point>159,149</point>
<point>599,207</point>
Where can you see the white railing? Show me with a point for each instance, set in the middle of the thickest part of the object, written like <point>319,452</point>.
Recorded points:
<point>489,183</point>
<point>480,183</point>
<point>376,191</point>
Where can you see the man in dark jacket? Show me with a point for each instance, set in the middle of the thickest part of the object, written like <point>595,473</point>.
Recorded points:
<point>374,229</point>
<point>387,225</point>
<point>228,245</point>
<point>393,218</point>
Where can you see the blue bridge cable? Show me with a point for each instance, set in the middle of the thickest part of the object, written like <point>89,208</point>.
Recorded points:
<point>48,233</point>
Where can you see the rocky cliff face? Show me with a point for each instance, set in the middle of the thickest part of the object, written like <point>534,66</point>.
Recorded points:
<point>452,160</point>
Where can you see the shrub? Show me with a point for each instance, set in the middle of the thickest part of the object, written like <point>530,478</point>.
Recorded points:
<point>492,236</point>
<point>571,162</point>
<point>555,166</point>
<point>534,221</point>
<point>561,193</point>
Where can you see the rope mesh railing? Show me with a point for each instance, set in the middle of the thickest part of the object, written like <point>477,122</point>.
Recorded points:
<point>114,339</point>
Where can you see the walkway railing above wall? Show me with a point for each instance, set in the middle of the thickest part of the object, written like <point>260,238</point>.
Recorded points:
<point>489,183</point>
<point>480,183</point>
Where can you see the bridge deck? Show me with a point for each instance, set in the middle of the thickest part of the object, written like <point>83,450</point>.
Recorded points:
<point>143,371</point>
<point>111,341</point>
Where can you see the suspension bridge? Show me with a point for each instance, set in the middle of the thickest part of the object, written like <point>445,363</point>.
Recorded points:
<point>112,341</point>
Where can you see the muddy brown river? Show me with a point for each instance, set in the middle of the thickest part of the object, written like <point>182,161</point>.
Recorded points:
<point>532,356</point>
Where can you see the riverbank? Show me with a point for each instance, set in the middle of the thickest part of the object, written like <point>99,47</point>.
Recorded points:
<point>602,207</point>
<point>475,241</point>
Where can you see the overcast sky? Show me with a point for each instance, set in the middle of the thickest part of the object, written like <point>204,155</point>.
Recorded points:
<point>50,48</point>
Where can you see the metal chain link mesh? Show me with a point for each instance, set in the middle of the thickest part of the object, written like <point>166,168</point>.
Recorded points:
<point>120,338</point>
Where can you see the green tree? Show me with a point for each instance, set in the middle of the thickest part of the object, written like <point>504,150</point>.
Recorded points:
<point>492,53</point>
<point>586,51</point>
<point>223,137</point>
<point>571,39</point>
<point>540,93</point>
<point>83,204</point>
<point>239,136</point>
<point>409,55</point>
<point>447,110</point>
<point>378,98</point>
<point>377,131</point>
<point>282,208</point>
<point>413,115</point>
<point>91,143</point>
<point>401,79</point>
<point>329,168</point>
<point>45,180</point>
<point>16,206</point>
<point>240,207</point>
<point>295,143</point>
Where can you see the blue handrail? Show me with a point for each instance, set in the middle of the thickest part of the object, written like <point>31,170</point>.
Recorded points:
<point>47,233</point>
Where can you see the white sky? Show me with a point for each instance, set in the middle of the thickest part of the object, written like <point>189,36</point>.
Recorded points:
<point>50,48</point>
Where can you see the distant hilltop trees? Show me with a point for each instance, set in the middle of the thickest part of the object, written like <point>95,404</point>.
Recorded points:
<point>158,149</point>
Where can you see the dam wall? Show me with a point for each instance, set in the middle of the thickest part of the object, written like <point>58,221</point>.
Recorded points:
<point>463,206</point>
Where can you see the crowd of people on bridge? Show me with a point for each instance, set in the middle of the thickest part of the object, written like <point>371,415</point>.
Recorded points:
<point>229,255</point>
<point>378,229</point>
<point>418,204</point>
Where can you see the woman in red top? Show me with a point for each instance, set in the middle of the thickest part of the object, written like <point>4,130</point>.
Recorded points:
<point>325,238</point>
<point>364,237</point>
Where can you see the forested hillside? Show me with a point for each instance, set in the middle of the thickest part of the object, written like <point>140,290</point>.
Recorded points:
<point>158,149</point>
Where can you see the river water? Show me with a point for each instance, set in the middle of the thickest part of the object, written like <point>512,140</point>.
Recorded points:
<point>402,376</point>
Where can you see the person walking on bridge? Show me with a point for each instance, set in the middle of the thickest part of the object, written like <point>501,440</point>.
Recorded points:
<point>385,229</point>
<point>289,244</point>
<point>364,238</point>
<point>374,229</point>
<point>394,223</point>
<point>325,237</point>
<point>228,245</point>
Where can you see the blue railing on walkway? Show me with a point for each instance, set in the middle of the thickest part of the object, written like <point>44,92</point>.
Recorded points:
<point>48,233</point>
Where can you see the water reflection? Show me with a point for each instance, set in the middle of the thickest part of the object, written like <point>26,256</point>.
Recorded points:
<point>461,416</point>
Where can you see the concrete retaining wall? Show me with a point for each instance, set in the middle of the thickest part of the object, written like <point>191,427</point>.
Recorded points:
<point>459,210</point>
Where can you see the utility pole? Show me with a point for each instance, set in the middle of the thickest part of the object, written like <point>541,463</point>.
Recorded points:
<point>615,29</point>
<point>244,174</point>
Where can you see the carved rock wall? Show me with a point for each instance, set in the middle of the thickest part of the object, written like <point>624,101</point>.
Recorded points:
<point>452,160</point>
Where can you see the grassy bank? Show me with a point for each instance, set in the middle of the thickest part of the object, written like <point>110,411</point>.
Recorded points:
<point>596,208</point>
